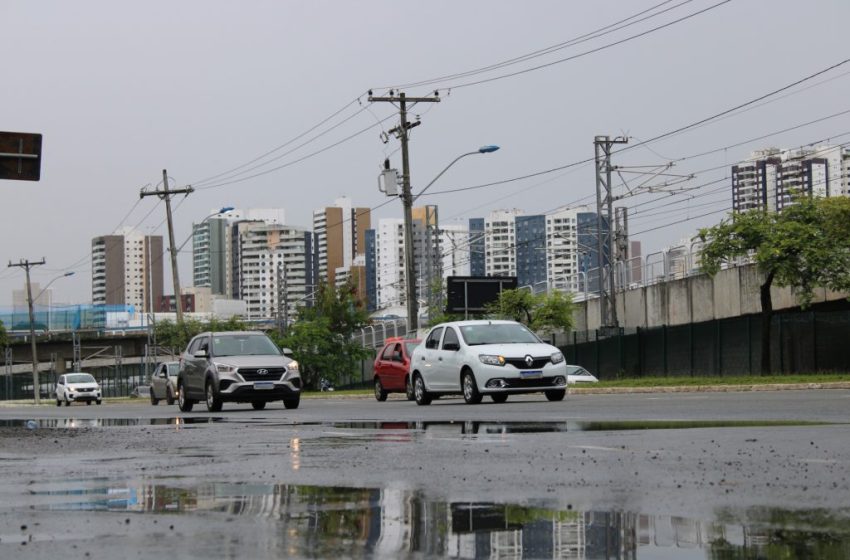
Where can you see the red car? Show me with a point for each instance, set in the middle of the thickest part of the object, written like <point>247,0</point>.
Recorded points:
<point>392,365</point>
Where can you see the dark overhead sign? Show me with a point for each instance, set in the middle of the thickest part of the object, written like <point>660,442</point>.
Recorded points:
<point>471,294</point>
<point>20,156</point>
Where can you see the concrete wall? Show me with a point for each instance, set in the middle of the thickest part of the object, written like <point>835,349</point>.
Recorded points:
<point>730,293</point>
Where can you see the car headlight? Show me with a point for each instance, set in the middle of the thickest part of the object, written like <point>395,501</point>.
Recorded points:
<point>557,358</point>
<point>224,368</point>
<point>70,389</point>
<point>491,360</point>
<point>292,366</point>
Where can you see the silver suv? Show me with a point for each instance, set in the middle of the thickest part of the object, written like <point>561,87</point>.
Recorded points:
<point>220,367</point>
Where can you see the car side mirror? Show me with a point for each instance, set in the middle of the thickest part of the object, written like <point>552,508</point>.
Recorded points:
<point>200,353</point>
<point>452,346</point>
<point>287,351</point>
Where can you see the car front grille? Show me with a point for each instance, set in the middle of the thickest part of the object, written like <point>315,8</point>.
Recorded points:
<point>252,374</point>
<point>520,363</point>
<point>88,390</point>
<point>526,383</point>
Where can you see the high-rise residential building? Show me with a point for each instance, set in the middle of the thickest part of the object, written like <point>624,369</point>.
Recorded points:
<point>371,271</point>
<point>211,262</point>
<point>340,235</point>
<point>531,251</point>
<point>500,242</point>
<point>127,269</point>
<point>389,261</point>
<point>477,264</point>
<point>275,267</point>
<point>456,250</point>
<point>770,178</point>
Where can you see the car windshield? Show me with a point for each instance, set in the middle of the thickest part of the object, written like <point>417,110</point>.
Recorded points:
<point>80,378</point>
<point>243,345</point>
<point>410,347</point>
<point>577,370</point>
<point>497,333</point>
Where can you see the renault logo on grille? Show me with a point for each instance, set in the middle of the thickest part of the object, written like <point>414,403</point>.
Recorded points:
<point>262,372</point>
<point>529,361</point>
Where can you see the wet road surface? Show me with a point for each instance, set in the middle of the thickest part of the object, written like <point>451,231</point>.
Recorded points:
<point>737,475</point>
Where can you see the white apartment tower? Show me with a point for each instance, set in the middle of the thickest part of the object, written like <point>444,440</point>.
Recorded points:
<point>500,242</point>
<point>389,261</point>
<point>562,249</point>
<point>275,268</point>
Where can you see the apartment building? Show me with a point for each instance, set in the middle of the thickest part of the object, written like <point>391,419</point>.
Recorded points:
<point>500,243</point>
<point>127,269</point>
<point>770,178</point>
<point>340,235</point>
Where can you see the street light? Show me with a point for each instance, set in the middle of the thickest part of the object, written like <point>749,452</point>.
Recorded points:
<point>409,268</point>
<point>35,383</point>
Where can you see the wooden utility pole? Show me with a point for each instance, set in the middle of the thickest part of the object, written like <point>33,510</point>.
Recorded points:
<point>165,195</point>
<point>27,265</point>
<point>401,132</point>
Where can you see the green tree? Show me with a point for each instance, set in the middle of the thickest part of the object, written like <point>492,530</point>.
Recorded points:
<point>3,337</point>
<point>177,335</point>
<point>322,337</point>
<point>540,312</point>
<point>804,247</point>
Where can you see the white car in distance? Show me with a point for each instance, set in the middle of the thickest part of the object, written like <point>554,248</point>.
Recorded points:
<point>477,358</point>
<point>77,387</point>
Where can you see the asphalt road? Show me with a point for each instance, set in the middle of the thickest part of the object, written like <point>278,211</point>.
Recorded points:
<point>595,476</point>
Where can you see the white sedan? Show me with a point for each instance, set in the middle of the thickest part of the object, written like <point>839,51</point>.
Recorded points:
<point>77,387</point>
<point>477,358</point>
<point>577,374</point>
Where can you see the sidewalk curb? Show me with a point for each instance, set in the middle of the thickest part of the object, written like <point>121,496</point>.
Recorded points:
<point>711,388</point>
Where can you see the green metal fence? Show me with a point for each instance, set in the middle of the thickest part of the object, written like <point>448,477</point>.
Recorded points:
<point>801,342</point>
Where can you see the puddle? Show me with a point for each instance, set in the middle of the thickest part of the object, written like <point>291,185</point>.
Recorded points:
<point>71,423</point>
<point>441,427</point>
<point>316,521</point>
<point>483,427</point>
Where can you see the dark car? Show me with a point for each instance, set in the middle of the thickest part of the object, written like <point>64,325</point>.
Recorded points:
<point>219,367</point>
<point>392,367</point>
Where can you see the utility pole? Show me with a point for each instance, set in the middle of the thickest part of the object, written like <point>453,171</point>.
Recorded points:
<point>165,195</point>
<point>621,240</point>
<point>402,133</point>
<point>27,265</point>
<point>282,300</point>
<point>605,204</point>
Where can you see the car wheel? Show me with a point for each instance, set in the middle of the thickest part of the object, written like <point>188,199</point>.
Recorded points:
<point>169,396</point>
<point>292,403</point>
<point>420,393</point>
<point>408,389</point>
<point>67,402</point>
<point>184,403</point>
<point>58,402</point>
<point>98,402</point>
<point>213,400</point>
<point>259,405</point>
<point>380,394</point>
<point>556,394</point>
<point>470,389</point>
<point>499,397</point>
<point>154,400</point>
<point>88,403</point>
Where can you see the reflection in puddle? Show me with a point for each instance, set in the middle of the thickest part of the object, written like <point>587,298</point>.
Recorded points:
<point>72,423</point>
<point>479,427</point>
<point>325,521</point>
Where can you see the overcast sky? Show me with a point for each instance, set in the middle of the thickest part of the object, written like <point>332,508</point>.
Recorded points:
<point>122,90</point>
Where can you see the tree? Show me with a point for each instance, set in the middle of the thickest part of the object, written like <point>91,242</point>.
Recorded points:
<point>804,247</point>
<point>540,312</point>
<point>3,338</point>
<point>322,337</point>
<point>177,335</point>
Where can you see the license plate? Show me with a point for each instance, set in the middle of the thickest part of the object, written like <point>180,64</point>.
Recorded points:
<point>532,373</point>
<point>263,385</point>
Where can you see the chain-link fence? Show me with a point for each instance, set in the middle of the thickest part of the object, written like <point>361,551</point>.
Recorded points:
<point>115,381</point>
<point>801,342</point>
